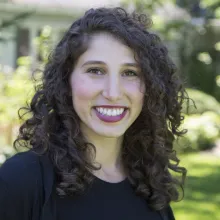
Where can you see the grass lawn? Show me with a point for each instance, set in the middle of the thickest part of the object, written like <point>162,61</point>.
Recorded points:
<point>202,191</point>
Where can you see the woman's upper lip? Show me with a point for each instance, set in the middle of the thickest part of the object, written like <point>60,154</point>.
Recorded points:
<point>111,106</point>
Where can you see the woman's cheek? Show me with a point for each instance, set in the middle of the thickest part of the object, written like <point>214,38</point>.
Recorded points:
<point>135,89</point>
<point>83,90</point>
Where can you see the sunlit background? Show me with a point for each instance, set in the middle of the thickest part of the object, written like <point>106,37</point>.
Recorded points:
<point>29,29</point>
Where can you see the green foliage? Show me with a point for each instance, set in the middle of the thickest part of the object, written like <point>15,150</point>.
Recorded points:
<point>44,43</point>
<point>143,6</point>
<point>16,88</point>
<point>203,132</point>
<point>191,35</point>
<point>202,120</point>
<point>203,102</point>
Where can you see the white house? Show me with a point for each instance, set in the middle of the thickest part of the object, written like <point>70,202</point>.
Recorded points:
<point>17,39</point>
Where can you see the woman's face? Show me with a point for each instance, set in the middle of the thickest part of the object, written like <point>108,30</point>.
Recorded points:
<point>106,88</point>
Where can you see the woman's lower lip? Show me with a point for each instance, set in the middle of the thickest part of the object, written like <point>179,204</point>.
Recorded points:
<point>110,119</point>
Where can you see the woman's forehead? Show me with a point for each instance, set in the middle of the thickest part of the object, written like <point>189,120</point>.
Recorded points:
<point>104,46</point>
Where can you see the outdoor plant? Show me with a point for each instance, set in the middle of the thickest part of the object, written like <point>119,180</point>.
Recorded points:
<point>203,132</point>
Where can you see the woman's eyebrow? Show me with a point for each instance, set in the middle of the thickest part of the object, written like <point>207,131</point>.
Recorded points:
<point>94,62</point>
<point>131,65</point>
<point>103,63</point>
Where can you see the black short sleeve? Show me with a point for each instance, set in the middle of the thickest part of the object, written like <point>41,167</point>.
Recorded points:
<point>20,187</point>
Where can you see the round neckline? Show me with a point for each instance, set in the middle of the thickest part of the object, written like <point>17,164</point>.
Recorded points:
<point>110,183</point>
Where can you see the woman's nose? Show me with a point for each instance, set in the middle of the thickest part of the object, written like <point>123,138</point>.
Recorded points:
<point>113,89</point>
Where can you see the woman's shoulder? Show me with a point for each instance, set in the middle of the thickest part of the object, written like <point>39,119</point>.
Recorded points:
<point>26,167</point>
<point>167,213</point>
<point>26,181</point>
<point>21,159</point>
<point>21,170</point>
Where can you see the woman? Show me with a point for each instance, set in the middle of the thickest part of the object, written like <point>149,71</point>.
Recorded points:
<point>101,128</point>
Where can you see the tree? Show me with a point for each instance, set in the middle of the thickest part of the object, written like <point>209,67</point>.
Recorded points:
<point>144,6</point>
<point>191,36</point>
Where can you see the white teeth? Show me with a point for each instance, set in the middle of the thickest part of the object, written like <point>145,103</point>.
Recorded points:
<point>110,111</point>
<point>101,110</point>
<point>114,112</point>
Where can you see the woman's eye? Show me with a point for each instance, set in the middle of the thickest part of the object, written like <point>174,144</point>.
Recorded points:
<point>130,73</point>
<point>96,71</point>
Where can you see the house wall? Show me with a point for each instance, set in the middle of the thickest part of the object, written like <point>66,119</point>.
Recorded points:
<point>8,47</point>
<point>59,21</point>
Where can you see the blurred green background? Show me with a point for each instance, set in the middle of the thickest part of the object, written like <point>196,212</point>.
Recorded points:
<point>190,29</point>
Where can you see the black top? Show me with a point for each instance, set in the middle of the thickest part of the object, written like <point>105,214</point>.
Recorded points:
<point>106,201</point>
<point>27,193</point>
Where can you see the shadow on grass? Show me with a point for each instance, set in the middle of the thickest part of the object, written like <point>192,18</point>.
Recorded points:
<point>208,186</point>
<point>202,192</point>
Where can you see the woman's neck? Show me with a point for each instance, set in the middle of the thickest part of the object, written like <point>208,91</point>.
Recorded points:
<point>108,155</point>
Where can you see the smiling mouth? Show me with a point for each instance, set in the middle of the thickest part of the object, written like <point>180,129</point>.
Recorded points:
<point>117,111</point>
<point>110,114</point>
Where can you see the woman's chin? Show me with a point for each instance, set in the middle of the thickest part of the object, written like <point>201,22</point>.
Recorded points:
<point>110,133</point>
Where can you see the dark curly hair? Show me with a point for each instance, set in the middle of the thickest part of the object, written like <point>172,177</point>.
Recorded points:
<point>147,151</point>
